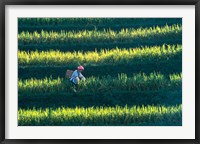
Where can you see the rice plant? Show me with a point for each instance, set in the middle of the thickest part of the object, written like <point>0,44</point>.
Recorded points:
<point>96,85</point>
<point>102,116</point>
<point>94,36</point>
<point>104,57</point>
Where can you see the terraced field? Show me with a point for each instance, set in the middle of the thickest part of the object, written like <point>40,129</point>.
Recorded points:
<point>133,70</point>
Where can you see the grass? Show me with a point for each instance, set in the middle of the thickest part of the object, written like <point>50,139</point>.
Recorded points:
<point>102,116</point>
<point>104,57</point>
<point>95,85</point>
<point>166,67</point>
<point>88,40</point>
<point>95,36</point>
<point>32,22</point>
<point>133,70</point>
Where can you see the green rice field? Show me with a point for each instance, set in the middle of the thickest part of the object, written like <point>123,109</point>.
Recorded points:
<point>133,70</point>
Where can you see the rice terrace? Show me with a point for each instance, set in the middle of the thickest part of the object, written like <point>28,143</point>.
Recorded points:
<point>129,71</point>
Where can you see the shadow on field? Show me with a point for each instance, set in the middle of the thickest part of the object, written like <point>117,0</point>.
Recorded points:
<point>166,97</point>
<point>166,68</point>
<point>32,25</point>
<point>98,46</point>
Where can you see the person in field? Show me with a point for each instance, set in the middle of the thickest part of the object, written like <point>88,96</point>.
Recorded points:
<point>77,75</point>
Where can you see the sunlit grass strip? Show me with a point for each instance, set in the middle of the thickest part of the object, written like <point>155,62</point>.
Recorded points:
<point>95,85</point>
<point>95,36</point>
<point>104,57</point>
<point>100,116</point>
